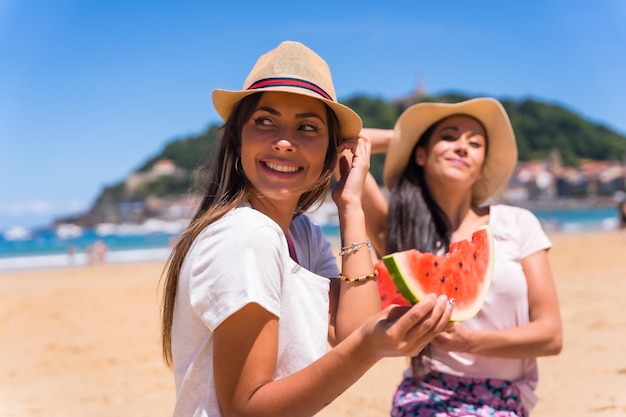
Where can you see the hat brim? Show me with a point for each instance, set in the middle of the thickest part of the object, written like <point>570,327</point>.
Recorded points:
<point>350,123</point>
<point>501,156</point>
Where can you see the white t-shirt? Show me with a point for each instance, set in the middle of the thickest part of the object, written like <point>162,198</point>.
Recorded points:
<point>240,259</point>
<point>517,234</point>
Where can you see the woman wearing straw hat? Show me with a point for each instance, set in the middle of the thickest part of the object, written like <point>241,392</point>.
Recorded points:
<point>444,162</point>
<point>248,305</point>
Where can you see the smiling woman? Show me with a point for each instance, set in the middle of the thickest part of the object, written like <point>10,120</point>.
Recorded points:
<point>284,146</point>
<point>445,161</point>
<point>253,295</point>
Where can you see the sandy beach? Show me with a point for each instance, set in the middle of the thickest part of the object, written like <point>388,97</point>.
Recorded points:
<point>84,341</point>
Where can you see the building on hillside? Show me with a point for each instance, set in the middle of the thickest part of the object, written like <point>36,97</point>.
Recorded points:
<point>161,168</point>
<point>531,180</point>
<point>549,180</point>
<point>591,179</point>
<point>172,209</point>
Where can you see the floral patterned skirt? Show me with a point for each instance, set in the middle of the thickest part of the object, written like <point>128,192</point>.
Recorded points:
<point>438,395</point>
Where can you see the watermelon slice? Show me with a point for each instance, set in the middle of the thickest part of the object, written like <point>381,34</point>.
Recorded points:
<point>464,273</point>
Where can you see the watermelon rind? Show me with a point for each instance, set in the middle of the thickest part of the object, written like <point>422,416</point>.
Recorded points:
<point>398,269</point>
<point>398,279</point>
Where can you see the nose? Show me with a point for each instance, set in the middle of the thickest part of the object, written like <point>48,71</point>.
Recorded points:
<point>461,145</point>
<point>284,145</point>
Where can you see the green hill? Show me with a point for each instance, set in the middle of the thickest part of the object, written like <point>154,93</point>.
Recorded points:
<point>540,127</point>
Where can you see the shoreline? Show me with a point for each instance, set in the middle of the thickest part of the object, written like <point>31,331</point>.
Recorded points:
<point>58,261</point>
<point>566,203</point>
<point>61,261</point>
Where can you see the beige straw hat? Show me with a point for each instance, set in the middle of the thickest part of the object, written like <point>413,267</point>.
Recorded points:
<point>292,68</point>
<point>501,146</point>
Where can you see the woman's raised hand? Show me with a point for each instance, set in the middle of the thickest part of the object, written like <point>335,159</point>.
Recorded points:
<point>353,166</point>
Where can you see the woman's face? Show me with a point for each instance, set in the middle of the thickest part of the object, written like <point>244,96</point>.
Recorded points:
<point>284,145</point>
<point>455,152</point>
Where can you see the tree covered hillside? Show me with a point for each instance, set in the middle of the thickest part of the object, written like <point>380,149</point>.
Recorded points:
<point>540,127</point>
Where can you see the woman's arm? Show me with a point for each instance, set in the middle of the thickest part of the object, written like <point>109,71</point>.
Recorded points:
<point>376,210</point>
<point>245,356</point>
<point>380,138</point>
<point>374,202</point>
<point>357,300</point>
<point>543,336</point>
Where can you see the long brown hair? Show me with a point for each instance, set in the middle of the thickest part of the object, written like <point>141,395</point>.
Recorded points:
<point>225,188</point>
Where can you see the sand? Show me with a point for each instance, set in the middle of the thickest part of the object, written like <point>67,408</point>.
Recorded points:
<point>84,341</point>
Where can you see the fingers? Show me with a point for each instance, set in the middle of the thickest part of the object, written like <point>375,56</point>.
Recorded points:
<point>443,310</point>
<point>344,166</point>
<point>425,320</point>
<point>360,146</point>
<point>354,163</point>
<point>417,313</point>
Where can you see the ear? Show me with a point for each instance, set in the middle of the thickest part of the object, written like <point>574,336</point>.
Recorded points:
<point>420,156</point>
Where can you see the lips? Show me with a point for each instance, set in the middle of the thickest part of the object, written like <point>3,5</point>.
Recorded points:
<point>458,162</point>
<point>281,168</point>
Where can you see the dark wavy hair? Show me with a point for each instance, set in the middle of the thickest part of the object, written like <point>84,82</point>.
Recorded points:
<point>415,220</point>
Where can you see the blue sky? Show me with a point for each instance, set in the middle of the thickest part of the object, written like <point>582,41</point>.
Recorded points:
<point>90,89</point>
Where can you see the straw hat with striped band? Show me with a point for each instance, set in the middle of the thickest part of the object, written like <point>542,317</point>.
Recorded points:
<point>501,155</point>
<point>293,68</point>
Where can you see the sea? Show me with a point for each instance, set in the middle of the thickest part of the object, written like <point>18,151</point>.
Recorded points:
<point>67,245</point>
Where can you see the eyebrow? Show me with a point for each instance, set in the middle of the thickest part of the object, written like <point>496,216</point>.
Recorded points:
<point>273,111</point>
<point>450,127</point>
<point>456,129</point>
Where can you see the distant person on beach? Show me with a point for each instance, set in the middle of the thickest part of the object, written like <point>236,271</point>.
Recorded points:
<point>96,253</point>
<point>99,252</point>
<point>621,208</point>
<point>621,213</point>
<point>71,254</point>
<point>252,292</point>
<point>444,162</point>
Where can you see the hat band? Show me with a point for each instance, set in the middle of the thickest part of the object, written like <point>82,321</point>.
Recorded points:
<point>290,82</point>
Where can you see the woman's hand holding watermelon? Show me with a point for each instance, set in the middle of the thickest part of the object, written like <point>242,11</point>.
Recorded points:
<point>405,331</point>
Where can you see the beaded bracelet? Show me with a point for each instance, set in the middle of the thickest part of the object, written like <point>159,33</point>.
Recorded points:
<point>354,247</point>
<point>374,274</point>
